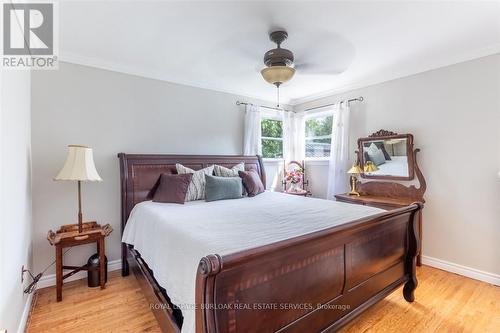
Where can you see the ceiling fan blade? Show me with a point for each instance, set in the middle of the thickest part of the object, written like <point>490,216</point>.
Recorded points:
<point>316,69</point>
<point>324,52</point>
<point>238,50</point>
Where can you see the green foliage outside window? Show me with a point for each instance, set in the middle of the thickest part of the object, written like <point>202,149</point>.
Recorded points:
<point>271,128</point>
<point>319,126</point>
<point>318,136</point>
<point>272,138</point>
<point>317,131</point>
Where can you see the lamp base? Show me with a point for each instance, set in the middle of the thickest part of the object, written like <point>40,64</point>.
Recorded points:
<point>353,186</point>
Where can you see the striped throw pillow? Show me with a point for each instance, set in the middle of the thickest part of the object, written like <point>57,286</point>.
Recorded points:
<point>196,189</point>
<point>221,171</point>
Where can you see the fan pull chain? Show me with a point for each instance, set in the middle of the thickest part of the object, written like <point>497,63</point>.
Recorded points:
<point>278,96</point>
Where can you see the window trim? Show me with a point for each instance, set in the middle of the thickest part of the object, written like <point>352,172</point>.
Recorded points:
<point>311,115</point>
<point>323,112</point>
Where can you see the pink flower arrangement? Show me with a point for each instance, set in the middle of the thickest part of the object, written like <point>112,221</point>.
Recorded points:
<point>294,176</point>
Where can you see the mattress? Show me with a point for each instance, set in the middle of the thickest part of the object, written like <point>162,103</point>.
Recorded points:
<point>172,238</point>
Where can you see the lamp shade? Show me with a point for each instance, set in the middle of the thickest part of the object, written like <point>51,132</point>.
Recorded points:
<point>79,165</point>
<point>356,169</point>
<point>277,74</point>
<point>370,167</point>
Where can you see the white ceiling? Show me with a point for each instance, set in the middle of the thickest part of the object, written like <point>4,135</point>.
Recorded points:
<point>220,45</point>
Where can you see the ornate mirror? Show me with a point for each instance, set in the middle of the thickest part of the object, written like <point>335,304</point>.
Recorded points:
<point>387,155</point>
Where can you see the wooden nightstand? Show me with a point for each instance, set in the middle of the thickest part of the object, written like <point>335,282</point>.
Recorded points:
<point>68,236</point>
<point>386,203</point>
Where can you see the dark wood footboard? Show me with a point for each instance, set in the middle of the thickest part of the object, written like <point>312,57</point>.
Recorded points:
<point>313,283</point>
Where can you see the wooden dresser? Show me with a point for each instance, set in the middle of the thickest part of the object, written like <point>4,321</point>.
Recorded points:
<point>389,193</point>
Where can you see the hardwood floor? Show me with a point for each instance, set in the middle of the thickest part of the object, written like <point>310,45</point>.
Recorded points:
<point>444,302</point>
<point>120,307</point>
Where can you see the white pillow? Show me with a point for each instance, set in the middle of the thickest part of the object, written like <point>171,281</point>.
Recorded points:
<point>372,149</point>
<point>196,189</point>
<point>226,172</point>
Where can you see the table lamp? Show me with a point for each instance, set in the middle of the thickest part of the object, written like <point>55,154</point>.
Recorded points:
<point>355,170</point>
<point>370,166</point>
<point>79,166</point>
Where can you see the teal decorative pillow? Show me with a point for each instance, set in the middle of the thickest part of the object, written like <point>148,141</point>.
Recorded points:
<point>221,188</point>
<point>377,157</point>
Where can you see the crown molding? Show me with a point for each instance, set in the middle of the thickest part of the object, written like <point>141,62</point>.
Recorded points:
<point>389,76</point>
<point>385,77</point>
<point>149,74</point>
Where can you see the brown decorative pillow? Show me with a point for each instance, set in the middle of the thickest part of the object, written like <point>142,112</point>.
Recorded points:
<point>172,188</point>
<point>252,182</point>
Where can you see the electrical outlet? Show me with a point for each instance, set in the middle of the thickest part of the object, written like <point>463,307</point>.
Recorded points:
<point>23,270</point>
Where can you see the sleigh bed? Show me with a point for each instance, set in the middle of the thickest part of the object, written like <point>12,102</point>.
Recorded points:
<point>312,282</point>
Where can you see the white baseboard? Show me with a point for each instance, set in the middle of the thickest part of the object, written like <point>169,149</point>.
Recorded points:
<point>462,270</point>
<point>26,312</point>
<point>50,280</point>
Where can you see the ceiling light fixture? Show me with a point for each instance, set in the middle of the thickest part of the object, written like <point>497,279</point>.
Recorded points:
<point>279,63</point>
<point>277,74</point>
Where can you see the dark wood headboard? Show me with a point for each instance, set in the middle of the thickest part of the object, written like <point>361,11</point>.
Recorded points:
<point>140,174</point>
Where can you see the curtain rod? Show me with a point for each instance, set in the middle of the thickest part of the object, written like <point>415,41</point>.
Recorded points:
<point>263,106</point>
<point>357,99</point>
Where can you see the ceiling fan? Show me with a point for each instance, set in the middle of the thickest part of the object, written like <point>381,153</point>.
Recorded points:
<point>281,66</point>
<point>278,61</point>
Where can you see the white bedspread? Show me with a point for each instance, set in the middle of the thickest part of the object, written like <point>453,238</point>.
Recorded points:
<point>172,238</point>
<point>397,166</point>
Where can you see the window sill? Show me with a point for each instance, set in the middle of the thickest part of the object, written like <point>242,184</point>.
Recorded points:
<point>319,161</point>
<point>272,160</point>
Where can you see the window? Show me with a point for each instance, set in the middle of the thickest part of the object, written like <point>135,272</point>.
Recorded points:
<point>318,136</point>
<point>272,137</point>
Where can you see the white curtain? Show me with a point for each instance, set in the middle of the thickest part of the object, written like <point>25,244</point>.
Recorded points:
<point>252,135</point>
<point>288,137</point>
<point>299,134</point>
<point>293,137</point>
<point>338,181</point>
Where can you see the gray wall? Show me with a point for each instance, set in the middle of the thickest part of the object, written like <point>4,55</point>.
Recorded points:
<point>112,113</point>
<point>15,196</point>
<point>454,114</point>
